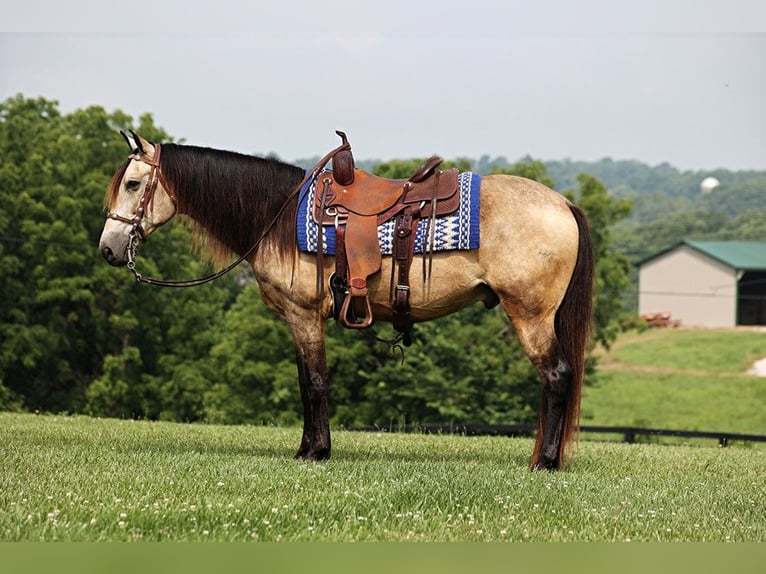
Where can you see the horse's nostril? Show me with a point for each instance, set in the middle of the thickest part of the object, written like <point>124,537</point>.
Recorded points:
<point>107,254</point>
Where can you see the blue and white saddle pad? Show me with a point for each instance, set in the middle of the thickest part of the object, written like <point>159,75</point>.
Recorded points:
<point>459,230</point>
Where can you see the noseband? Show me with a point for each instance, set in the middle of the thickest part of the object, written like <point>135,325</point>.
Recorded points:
<point>147,199</point>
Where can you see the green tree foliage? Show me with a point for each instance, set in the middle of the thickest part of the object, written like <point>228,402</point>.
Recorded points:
<point>662,192</point>
<point>661,234</point>
<point>48,316</point>
<point>531,169</point>
<point>253,377</point>
<point>747,226</point>
<point>612,267</point>
<point>74,330</point>
<point>467,367</point>
<point>402,169</point>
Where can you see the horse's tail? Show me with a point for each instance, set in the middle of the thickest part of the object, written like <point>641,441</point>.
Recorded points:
<point>573,325</point>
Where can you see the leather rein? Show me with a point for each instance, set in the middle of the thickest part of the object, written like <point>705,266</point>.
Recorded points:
<point>137,233</point>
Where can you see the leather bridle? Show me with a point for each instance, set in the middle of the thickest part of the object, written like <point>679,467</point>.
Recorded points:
<point>147,199</point>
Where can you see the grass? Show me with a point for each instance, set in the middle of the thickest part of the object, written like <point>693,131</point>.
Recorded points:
<point>85,479</point>
<point>721,351</point>
<point>690,379</point>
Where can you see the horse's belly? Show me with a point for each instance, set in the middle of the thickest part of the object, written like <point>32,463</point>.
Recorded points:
<point>450,283</point>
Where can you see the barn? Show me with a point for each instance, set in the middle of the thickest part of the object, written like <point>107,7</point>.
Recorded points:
<point>706,283</point>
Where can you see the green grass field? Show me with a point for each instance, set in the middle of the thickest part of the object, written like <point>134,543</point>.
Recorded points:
<point>84,479</point>
<point>689,379</point>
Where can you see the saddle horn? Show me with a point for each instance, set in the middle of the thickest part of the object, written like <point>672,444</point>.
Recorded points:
<point>343,162</point>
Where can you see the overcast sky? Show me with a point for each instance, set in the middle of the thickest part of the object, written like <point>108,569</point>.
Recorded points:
<point>658,81</point>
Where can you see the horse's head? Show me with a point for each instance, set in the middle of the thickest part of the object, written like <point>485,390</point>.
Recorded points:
<point>137,201</point>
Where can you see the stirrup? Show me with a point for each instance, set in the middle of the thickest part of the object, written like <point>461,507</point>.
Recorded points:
<point>353,322</point>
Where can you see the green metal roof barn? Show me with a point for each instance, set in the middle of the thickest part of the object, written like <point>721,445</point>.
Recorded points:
<point>706,283</point>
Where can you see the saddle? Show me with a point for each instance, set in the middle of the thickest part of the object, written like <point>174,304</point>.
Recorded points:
<point>356,203</point>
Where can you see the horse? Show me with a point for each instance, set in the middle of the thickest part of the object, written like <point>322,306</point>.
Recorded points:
<point>535,260</point>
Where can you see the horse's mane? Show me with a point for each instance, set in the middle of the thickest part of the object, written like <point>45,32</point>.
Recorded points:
<point>230,198</point>
<point>114,185</point>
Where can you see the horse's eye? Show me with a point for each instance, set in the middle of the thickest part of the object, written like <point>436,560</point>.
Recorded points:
<point>133,185</point>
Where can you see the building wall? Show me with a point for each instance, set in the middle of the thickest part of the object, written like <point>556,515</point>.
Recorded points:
<point>693,287</point>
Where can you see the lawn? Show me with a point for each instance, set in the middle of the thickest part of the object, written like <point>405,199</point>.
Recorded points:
<point>69,478</point>
<point>723,351</point>
<point>85,479</point>
<point>690,379</point>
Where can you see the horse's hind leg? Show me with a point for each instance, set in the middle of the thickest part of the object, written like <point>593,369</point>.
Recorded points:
<point>556,376</point>
<point>537,337</point>
<point>313,381</point>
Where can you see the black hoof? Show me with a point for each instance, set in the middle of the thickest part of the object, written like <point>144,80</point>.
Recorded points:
<point>313,455</point>
<point>549,465</point>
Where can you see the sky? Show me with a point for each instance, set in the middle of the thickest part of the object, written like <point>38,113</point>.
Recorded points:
<point>676,81</point>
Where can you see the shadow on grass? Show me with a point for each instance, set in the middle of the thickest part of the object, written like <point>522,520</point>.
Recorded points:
<point>137,438</point>
<point>378,451</point>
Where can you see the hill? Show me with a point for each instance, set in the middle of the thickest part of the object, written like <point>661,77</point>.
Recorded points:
<point>688,379</point>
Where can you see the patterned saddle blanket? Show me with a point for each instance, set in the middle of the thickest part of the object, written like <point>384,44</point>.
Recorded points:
<point>457,231</point>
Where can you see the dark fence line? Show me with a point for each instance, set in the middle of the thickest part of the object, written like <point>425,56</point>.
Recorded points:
<point>629,433</point>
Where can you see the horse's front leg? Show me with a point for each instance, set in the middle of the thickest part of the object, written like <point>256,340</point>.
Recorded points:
<point>313,381</point>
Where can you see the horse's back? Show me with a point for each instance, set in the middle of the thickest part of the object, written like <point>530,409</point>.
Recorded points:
<point>523,212</point>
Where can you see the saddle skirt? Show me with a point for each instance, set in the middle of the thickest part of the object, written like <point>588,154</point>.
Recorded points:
<point>457,231</point>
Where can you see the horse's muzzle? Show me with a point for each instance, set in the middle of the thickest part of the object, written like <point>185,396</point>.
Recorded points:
<point>112,258</point>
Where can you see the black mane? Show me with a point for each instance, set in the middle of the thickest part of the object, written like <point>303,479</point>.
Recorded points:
<point>232,197</point>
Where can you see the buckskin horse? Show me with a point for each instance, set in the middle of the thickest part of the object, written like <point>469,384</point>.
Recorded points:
<point>535,259</point>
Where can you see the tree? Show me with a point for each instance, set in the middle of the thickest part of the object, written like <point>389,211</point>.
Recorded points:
<point>66,318</point>
<point>748,226</point>
<point>531,169</point>
<point>649,238</point>
<point>402,169</point>
<point>467,367</point>
<point>252,367</point>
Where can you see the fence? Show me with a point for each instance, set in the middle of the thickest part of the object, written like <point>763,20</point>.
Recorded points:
<point>629,433</point>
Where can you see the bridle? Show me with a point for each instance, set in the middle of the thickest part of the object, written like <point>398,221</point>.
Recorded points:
<point>147,199</point>
<point>137,233</point>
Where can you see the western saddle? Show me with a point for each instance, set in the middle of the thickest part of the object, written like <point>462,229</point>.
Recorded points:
<point>356,203</point>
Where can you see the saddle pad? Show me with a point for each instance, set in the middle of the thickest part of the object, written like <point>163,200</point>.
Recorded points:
<point>459,230</point>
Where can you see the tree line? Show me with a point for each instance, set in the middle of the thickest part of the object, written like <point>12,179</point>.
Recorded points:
<point>78,336</point>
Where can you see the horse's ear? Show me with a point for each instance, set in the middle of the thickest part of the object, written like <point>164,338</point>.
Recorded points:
<point>131,143</point>
<point>139,141</point>
<point>144,146</point>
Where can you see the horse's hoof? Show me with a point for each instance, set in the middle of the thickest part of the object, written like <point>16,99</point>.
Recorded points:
<point>313,455</point>
<point>549,465</point>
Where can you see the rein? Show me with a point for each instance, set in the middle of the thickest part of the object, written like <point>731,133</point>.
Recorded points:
<point>137,232</point>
